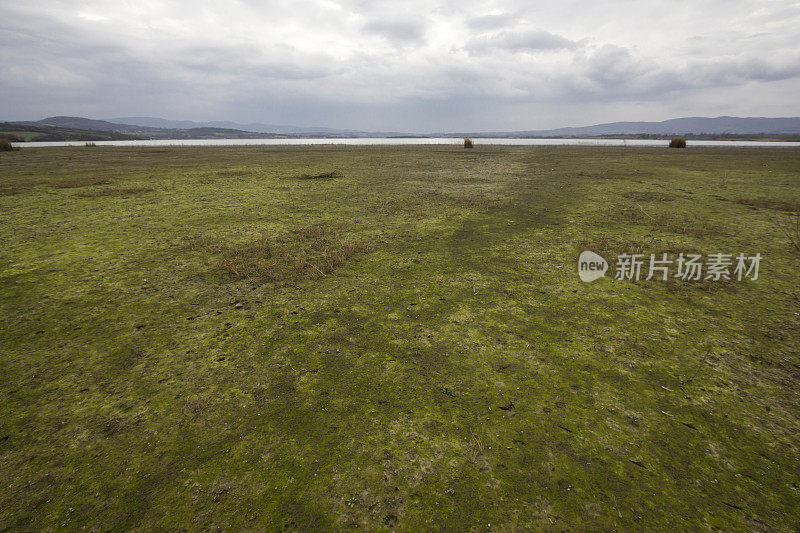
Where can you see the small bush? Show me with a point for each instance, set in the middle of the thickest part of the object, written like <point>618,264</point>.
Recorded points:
<point>6,146</point>
<point>467,142</point>
<point>677,142</point>
<point>90,145</point>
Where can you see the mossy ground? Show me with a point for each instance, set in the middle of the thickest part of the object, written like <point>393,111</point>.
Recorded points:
<point>194,338</point>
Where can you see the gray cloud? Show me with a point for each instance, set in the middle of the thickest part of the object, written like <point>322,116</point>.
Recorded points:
<point>247,62</point>
<point>520,41</point>
<point>397,31</point>
<point>423,65</point>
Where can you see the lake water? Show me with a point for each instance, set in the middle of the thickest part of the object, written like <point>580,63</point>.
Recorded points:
<point>411,141</point>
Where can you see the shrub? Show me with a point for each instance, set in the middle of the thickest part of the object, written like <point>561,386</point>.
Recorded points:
<point>6,146</point>
<point>677,142</point>
<point>467,142</point>
<point>90,145</point>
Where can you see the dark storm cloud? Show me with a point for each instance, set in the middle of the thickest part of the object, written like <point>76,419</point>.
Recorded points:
<point>419,65</point>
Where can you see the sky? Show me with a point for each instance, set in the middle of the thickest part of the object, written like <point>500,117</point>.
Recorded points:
<point>412,66</point>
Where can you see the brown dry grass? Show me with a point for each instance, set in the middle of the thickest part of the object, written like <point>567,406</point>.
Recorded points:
<point>309,252</point>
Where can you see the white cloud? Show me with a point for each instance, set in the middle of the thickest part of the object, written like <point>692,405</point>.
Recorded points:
<point>492,21</point>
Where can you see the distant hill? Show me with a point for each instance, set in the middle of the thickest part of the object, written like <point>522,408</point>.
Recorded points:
<point>154,122</point>
<point>27,131</point>
<point>676,126</point>
<point>80,123</point>
<point>147,132</point>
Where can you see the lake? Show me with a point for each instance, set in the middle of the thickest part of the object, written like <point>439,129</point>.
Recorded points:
<point>411,141</point>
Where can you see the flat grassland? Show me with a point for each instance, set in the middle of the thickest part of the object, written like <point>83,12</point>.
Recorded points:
<point>210,337</point>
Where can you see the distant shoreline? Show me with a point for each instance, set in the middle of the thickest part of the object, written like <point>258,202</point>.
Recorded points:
<point>419,141</point>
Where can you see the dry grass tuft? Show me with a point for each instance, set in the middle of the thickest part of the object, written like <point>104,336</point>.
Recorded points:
<point>86,181</point>
<point>249,260</point>
<point>308,252</point>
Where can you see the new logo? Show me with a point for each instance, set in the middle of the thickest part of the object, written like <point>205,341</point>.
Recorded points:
<point>591,266</point>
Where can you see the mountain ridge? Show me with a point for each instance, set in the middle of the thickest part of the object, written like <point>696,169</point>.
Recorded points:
<point>683,125</point>
<point>148,132</point>
<point>257,127</point>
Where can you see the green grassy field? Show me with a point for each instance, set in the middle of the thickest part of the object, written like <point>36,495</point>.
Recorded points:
<point>198,338</point>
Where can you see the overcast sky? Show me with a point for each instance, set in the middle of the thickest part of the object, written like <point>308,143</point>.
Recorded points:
<point>410,65</point>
